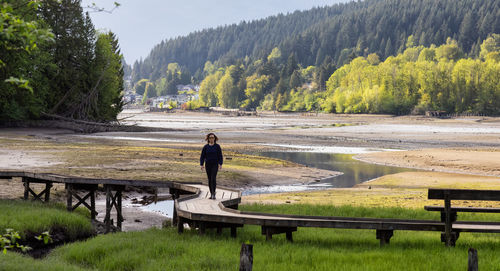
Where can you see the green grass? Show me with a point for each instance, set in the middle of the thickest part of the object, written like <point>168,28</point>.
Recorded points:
<point>29,217</point>
<point>312,249</point>
<point>359,211</point>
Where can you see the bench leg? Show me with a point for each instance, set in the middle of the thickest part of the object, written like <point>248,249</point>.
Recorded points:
<point>453,237</point>
<point>384,236</point>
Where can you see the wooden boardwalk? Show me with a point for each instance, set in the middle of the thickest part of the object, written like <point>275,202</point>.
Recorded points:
<point>201,212</point>
<point>193,206</point>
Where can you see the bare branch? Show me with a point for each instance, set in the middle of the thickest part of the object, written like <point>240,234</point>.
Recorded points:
<point>94,8</point>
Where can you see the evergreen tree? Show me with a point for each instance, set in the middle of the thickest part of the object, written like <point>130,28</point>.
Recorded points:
<point>73,53</point>
<point>108,77</point>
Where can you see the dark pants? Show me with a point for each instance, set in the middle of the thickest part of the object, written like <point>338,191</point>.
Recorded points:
<point>212,176</point>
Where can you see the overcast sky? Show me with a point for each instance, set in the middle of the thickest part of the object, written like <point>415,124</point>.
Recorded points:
<point>141,24</point>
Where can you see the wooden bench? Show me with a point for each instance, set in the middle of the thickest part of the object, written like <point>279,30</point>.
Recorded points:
<point>449,213</point>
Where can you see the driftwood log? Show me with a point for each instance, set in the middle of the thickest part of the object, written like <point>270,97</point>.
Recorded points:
<point>79,126</point>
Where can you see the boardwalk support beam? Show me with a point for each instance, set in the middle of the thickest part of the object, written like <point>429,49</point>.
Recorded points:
<point>71,191</point>
<point>384,236</point>
<point>28,190</point>
<point>113,200</point>
<point>268,231</point>
<point>219,226</point>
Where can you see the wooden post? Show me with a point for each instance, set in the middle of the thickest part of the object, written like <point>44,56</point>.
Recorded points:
<point>246,257</point>
<point>233,232</point>
<point>93,212</point>
<point>447,225</point>
<point>473,261</point>
<point>174,217</point>
<point>269,235</point>
<point>107,218</point>
<point>26,188</point>
<point>69,197</point>
<point>180,224</point>
<point>202,228</point>
<point>48,185</point>
<point>289,236</point>
<point>118,206</point>
<point>384,236</point>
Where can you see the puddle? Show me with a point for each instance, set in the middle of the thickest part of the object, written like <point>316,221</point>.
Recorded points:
<point>165,208</point>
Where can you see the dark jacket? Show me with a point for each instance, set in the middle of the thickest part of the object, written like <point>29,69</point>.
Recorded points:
<point>211,154</point>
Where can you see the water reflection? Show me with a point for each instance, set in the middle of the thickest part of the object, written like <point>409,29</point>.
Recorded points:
<point>165,208</point>
<point>355,171</point>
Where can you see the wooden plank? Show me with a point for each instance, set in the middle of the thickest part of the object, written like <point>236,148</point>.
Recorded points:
<point>191,206</point>
<point>464,194</point>
<point>183,206</point>
<point>9,174</point>
<point>79,180</point>
<point>318,223</point>
<point>464,209</point>
<point>477,228</point>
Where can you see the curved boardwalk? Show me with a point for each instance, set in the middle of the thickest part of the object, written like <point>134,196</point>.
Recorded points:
<point>193,206</point>
<point>202,213</point>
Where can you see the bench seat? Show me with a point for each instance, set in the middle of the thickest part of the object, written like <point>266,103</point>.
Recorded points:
<point>476,227</point>
<point>464,209</point>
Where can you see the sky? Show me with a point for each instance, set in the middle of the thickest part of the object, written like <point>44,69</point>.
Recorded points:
<point>142,24</point>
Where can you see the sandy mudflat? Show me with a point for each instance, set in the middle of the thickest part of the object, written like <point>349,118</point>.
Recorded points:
<point>476,161</point>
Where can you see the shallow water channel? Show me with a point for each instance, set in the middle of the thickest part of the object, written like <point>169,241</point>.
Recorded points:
<point>354,171</point>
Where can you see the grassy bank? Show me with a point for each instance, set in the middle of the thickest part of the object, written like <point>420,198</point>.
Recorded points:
<point>312,249</point>
<point>30,218</point>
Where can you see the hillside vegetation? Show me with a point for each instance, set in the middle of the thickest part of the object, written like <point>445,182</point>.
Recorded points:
<point>391,56</point>
<point>335,33</point>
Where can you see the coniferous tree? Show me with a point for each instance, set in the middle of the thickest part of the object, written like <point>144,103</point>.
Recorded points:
<point>73,53</point>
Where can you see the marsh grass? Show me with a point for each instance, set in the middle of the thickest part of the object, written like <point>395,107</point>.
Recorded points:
<point>29,217</point>
<point>312,249</point>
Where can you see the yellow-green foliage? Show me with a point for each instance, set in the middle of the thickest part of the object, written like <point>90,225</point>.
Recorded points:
<point>419,79</point>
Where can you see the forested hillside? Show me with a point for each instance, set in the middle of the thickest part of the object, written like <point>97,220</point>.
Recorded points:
<point>53,62</point>
<point>335,34</point>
